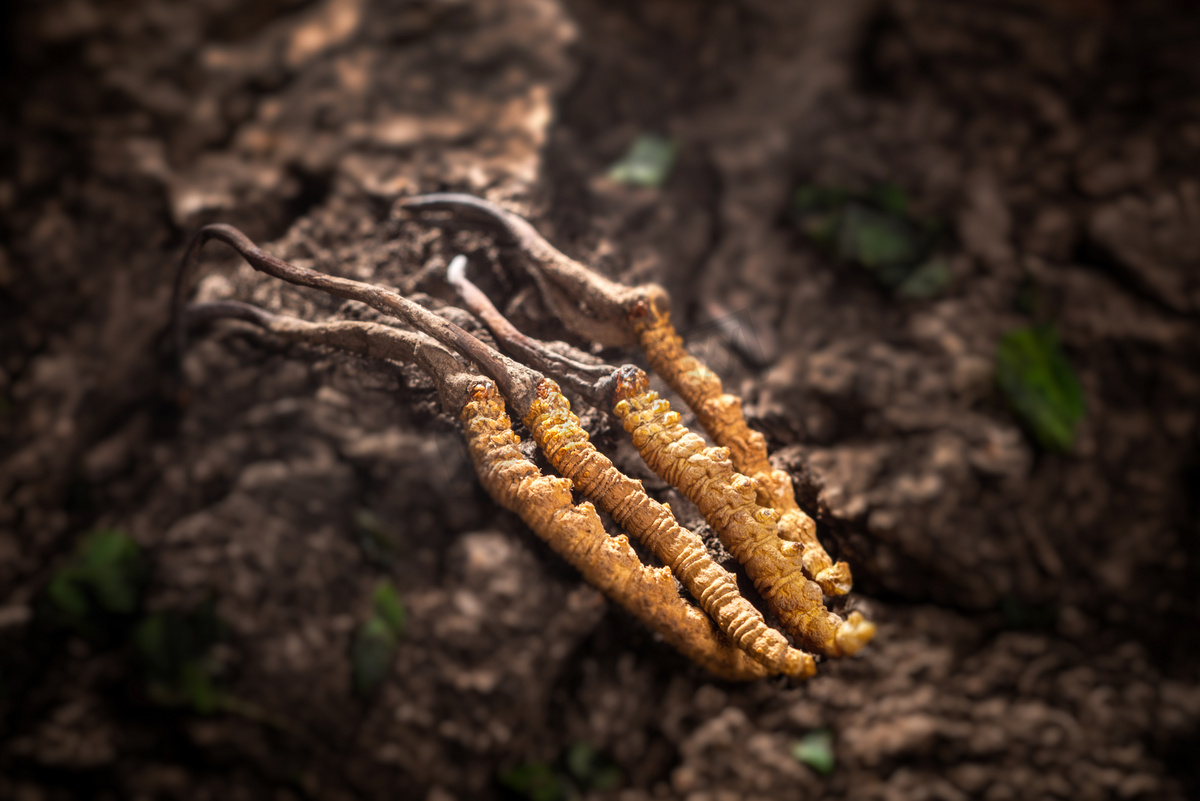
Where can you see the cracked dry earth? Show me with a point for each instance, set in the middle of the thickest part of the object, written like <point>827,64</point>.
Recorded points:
<point>1036,611</point>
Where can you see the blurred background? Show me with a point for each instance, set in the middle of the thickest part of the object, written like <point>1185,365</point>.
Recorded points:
<point>946,252</point>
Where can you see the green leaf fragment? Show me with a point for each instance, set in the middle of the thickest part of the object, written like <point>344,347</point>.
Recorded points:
<point>67,595</point>
<point>875,231</point>
<point>815,749</point>
<point>1038,382</point>
<point>389,607</point>
<point>169,640</point>
<point>371,653</point>
<point>929,280</point>
<point>105,575</point>
<point>811,198</point>
<point>114,567</point>
<point>590,769</point>
<point>117,591</point>
<point>891,199</point>
<point>878,241</point>
<point>535,781</point>
<point>150,641</point>
<point>196,686</point>
<point>176,648</point>
<point>377,541</point>
<point>647,163</point>
<point>373,648</point>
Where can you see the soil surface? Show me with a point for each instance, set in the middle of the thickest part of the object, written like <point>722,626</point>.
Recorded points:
<point>1037,611</point>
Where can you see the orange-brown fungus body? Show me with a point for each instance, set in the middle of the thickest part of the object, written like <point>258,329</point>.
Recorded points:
<point>560,436</point>
<point>720,414</point>
<point>577,535</point>
<point>728,501</point>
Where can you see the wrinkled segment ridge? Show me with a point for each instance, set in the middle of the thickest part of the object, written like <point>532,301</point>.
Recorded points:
<point>728,501</point>
<point>720,414</point>
<point>567,446</point>
<point>574,531</point>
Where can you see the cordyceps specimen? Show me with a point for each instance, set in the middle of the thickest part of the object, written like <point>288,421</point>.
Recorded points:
<point>740,646</point>
<point>610,314</point>
<point>574,531</point>
<point>726,498</point>
<point>733,641</point>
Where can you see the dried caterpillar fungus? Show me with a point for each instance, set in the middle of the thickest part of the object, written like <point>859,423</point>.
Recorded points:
<point>740,645</point>
<point>727,500</point>
<point>609,313</point>
<point>576,533</point>
<point>605,556</point>
<point>720,414</point>
<point>564,442</point>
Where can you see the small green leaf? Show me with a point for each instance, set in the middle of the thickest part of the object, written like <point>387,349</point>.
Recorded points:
<point>590,769</point>
<point>196,686</point>
<point>150,641</point>
<point>647,163</point>
<point>535,781</point>
<point>168,640</point>
<point>176,648</point>
<point>117,591</point>
<point>890,198</point>
<point>66,594</point>
<point>1036,378</point>
<point>880,242</point>
<point>928,280</point>
<point>371,653</point>
<point>114,568</point>
<point>375,538</point>
<point>811,198</point>
<point>99,587</point>
<point>815,749</point>
<point>874,230</point>
<point>389,607</point>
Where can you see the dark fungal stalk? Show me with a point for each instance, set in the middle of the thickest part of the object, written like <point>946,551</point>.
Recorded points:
<point>516,381</point>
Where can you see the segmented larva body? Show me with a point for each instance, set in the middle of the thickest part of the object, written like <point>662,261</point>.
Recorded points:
<point>727,499</point>
<point>564,442</point>
<point>577,535</point>
<point>720,414</point>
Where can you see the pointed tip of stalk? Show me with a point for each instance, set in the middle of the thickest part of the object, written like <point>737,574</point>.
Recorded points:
<point>456,270</point>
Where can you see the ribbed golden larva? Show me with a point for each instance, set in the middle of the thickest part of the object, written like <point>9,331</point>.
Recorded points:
<point>720,414</point>
<point>558,433</point>
<point>727,499</point>
<point>576,533</point>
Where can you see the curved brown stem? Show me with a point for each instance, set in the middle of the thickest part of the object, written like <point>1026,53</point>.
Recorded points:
<point>368,340</point>
<point>592,382</point>
<point>515,380</point>
<point>588,304</point>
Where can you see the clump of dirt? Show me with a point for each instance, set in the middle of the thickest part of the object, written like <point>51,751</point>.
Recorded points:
<point>1030,603</point>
